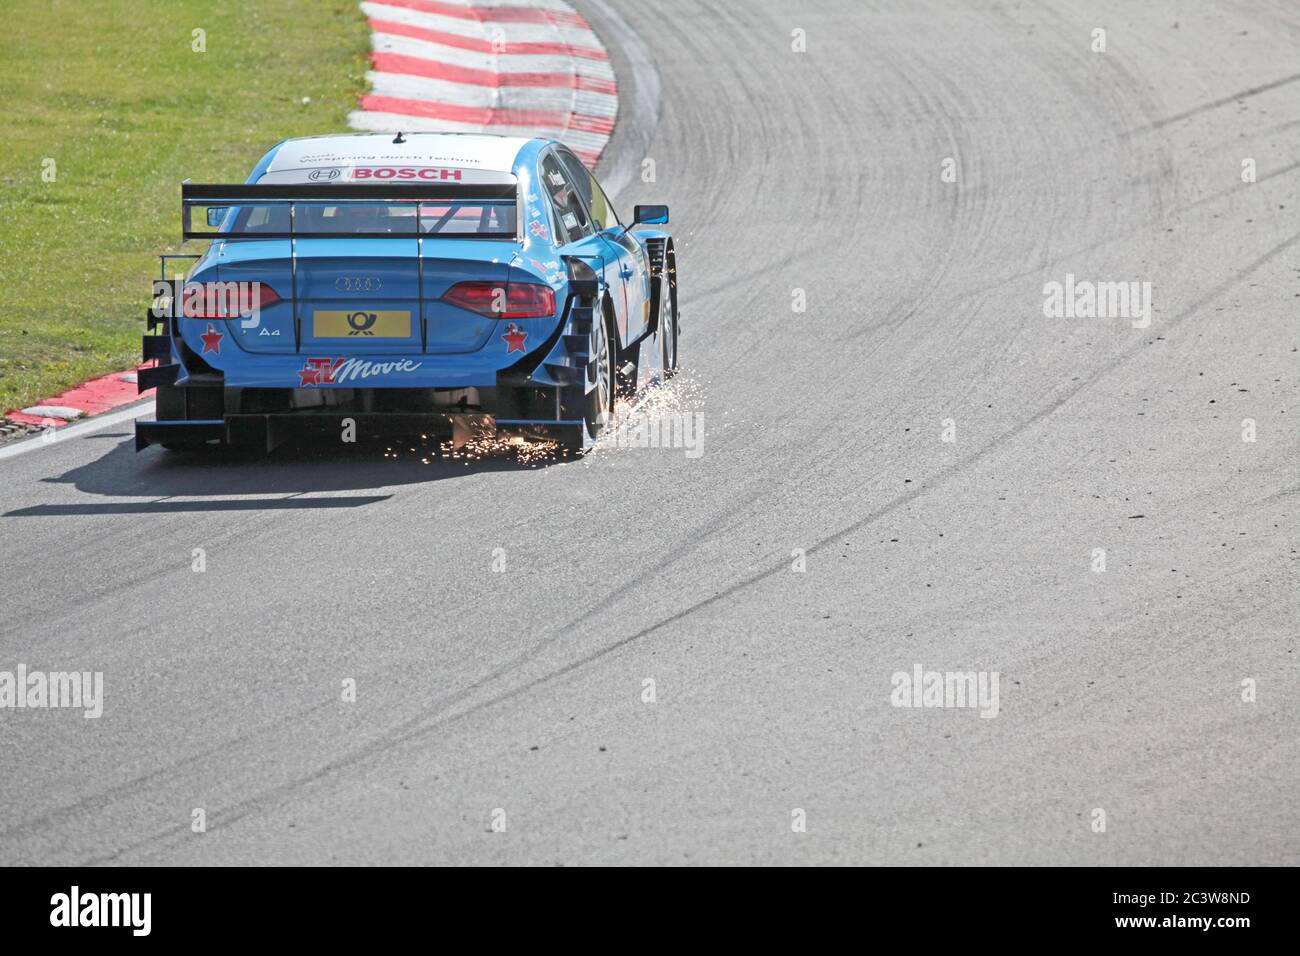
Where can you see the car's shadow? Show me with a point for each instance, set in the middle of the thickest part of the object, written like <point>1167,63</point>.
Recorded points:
<point>166,482</point>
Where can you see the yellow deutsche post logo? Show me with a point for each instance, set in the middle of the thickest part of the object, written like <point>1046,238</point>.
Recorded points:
<point>360,323</point>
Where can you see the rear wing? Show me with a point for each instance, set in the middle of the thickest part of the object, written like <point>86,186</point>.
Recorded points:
<point>295,195</point>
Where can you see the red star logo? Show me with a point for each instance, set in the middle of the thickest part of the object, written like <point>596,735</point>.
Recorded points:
<point>514,338</point>
<point>318,371</point>
<point>537,228</point>
<point>211,340</point>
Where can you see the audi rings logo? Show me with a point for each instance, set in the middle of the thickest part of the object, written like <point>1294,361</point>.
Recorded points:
<point>357,284</point>
<point>323,175</point>
<point>361,323</point>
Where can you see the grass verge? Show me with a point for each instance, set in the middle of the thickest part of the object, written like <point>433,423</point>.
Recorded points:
<point>109,107</point>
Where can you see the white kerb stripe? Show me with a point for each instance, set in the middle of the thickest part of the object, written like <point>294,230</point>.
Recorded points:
<point>483,30</point>
<point>491,62</point>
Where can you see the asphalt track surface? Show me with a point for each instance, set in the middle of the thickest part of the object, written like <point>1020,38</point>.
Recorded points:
<point>522,690</point>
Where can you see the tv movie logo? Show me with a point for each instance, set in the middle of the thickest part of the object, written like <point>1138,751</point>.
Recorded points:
<point>336,371</point>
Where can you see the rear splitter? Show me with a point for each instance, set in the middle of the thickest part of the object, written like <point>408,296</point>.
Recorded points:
<point>267,431</point>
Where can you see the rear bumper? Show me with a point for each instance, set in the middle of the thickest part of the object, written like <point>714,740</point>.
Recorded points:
<point>269,430</point>
<point>325,371</point>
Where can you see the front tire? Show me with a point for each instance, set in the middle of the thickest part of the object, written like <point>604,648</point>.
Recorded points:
<point>668,325</point>
<point>598,403</point>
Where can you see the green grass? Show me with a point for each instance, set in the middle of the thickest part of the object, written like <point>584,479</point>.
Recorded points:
<point>112,92</point>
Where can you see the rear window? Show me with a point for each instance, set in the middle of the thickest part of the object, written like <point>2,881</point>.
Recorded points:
<point>467,218</point>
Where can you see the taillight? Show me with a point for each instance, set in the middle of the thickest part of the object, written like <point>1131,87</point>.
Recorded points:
<point>226,300</point>
<point>266,295</point>
<point>502,300</point>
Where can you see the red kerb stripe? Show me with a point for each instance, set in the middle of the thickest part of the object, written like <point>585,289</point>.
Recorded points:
<point>493,14</point>
<point>484,45</point>
<point>483,115</point>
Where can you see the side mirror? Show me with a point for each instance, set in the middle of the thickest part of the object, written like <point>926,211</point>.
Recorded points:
<point>650,215</point>
<point>216,214</point>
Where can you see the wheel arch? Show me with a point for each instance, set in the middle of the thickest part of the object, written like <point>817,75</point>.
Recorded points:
<point>610,314</point>
<point>663,261</point>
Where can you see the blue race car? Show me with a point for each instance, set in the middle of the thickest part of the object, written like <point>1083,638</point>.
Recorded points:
<point>453,284</point>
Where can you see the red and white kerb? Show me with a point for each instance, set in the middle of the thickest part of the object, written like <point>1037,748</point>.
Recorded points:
<point>517,67</point>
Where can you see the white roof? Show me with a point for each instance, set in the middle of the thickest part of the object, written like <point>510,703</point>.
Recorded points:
<point>477,151</point>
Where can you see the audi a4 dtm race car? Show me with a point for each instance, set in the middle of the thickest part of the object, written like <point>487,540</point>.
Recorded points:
<point>453,284</point>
